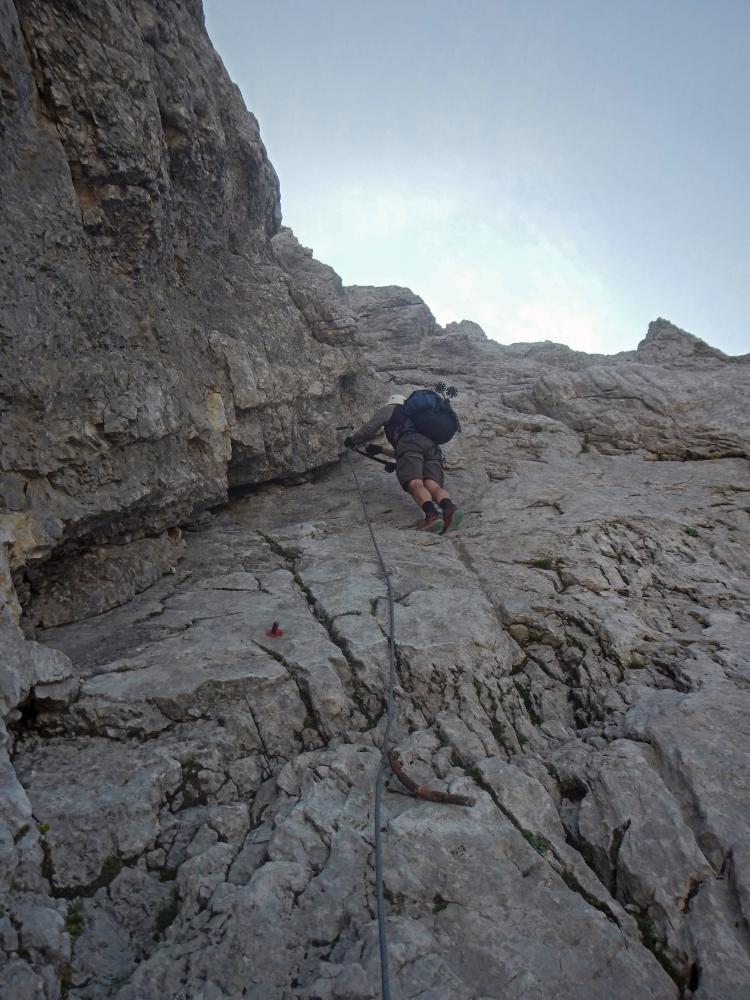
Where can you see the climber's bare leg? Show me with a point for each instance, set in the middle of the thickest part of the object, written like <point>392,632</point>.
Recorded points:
<point>436,492</point>
<point>417,491</point>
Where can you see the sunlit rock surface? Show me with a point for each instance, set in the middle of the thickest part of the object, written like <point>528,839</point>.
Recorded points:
<point>185,800</point>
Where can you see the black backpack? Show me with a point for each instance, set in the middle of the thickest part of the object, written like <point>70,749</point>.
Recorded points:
<point>426,412</point>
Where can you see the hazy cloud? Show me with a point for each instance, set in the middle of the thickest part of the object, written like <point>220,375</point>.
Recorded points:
<point>519,277</point>
<point>551,170</point>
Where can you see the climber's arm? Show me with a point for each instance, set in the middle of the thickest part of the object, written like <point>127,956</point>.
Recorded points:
<point>368,431</point>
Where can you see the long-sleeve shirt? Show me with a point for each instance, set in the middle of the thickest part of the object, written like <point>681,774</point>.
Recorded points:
<point>368,431</point>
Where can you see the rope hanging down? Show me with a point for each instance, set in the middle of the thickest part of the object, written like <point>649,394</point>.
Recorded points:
<point>389,757</point>
<point>384,762</point>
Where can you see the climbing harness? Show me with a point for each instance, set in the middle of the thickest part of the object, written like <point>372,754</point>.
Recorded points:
<point>388,756</point>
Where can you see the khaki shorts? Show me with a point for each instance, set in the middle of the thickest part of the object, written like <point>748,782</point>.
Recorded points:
<point>417,457</point>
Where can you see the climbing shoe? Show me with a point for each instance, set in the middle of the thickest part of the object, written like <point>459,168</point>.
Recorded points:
<point>452,517</point>
<point>432,522</point>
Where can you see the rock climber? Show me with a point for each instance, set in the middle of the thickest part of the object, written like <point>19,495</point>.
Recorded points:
<point>419,463</point>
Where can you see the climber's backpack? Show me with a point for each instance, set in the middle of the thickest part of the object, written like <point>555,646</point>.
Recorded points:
<point>431,414</point>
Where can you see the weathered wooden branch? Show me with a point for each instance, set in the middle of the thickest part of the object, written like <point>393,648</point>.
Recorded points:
<point>430,794</point>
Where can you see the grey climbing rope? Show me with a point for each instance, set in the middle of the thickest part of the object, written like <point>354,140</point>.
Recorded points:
<point>384,763</point>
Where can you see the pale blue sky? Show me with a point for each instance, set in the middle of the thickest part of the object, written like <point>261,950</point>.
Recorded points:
<point>552,169</point>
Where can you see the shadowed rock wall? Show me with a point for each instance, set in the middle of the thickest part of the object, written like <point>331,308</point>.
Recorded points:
<point>152,349</point>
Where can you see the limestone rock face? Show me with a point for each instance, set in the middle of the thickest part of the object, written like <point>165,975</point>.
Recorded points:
<point>152,349</point>
<point>575,659</point>
<point>316,289</point>
<point>698,411</point>
<point>186,795</point>
<point>389,318</point>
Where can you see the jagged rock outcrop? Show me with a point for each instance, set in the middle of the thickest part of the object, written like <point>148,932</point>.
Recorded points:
<point>316,289</point>
<point>185,800</point>
<point>152,348</point>
<point>389,319</point>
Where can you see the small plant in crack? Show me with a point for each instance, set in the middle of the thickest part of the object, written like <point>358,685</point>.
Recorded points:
<point>474,773</point>
<point>652,941</point>
<point>525,695</point>
<point>551,771</point>
<point>569,879</point>
<point>690,530</point>
<point>498,730</point>
<point>547,561</point>
<point>167,911</point>
<point>274,655</point>
<point>543,562</point>
<point>647,930</point>
<point>65,977</point>
<point>75,922</point>
<point>540,844</point>
<point>305,589</point>
<point>112,867</point>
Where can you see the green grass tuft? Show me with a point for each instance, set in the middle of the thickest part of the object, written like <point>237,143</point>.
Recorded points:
<point>545,562</point>
<point>65,978</point>
<point>112,866</point>
<point>167,911</point>
<point>540,844</point>
<point>75,922</point>
<point>498,730</point>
